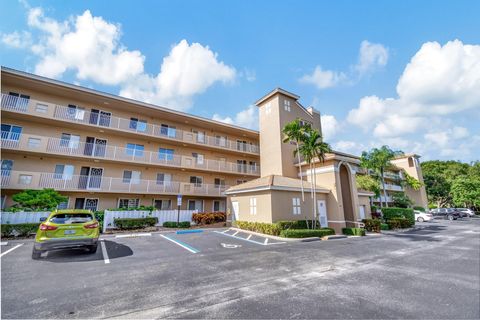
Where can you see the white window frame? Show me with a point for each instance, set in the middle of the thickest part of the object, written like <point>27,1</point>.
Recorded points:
<point>268,108</point>
<point>169,201</point>
<point>135,176</point>
<point>67,173</point>
<point>135,201</point>
<point>296,206</point>
<point>253,206</point>
<point>286,105</point>
<point>199,158</point>
<point>194,200</point>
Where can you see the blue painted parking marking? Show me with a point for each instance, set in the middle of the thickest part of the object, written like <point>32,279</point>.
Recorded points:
<point>189,231</point>
<point>181,244</point>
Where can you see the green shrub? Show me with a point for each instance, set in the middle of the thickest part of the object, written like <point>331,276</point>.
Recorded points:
<point>266,228</point>
<point>135,223</point>
<point>306,233</point>
<point>299,224</point>
<point>394,224</point>
<point>419,208</point>
<point>404,223</point>
<point>384,226</point>
<point>372,225</point>
<point>389,213</point>
<point>173,224</point>
<point>22,229</point>
<point>353,231</point>
<point>209,217</point>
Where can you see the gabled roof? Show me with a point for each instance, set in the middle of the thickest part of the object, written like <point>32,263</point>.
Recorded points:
<point>275,91</point>
<point>274,182</point>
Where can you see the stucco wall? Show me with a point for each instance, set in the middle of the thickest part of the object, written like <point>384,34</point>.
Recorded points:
<point>264,206</point>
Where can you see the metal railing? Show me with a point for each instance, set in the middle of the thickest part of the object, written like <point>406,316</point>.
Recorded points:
<point>393,187</point>
<point>104,151</point>
<point>64,182</point>
<point>107,120</point>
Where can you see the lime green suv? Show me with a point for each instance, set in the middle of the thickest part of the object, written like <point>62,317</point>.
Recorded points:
<point>65,229</point>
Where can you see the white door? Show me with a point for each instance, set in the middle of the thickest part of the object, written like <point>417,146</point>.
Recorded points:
<point>235,210</point>
<point>322,213</point>
<point>362,212</point>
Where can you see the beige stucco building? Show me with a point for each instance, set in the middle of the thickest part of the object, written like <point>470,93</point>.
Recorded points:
<point>104,151</point>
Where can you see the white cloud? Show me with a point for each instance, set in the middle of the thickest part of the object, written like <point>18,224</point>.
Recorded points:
<point>330,126</point>
<point>323,78</point>
<point>371,57</point>
<point>349,146</point>
<point>247,118</point>
<point>371,108</point>
<point>250,75</point>
<point>90,47</point>
<point>188,70</point>
<point>19,40</point>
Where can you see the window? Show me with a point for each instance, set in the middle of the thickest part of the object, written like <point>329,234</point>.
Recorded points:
<point>218,205</point>
<point>164,178</point>
<point>100,118</point>
<point>132,177</point>
<point>64,171</point>
<point>7,167</point>
<point>242,145</point>
<point>268,108</point>
<point>135,149</point>
<point>15,99</point>
<point>253,166</point>
<point>25,179</point>
<point>76,113</point>
<point>3,200</point>
<point>200,136</point>
<point>33,143</point>
<point>220,141</point>
<point>69,140</point>
<point>128,203</point>
<point>165,154</point>
<point>240,181</point>
<point>410,162</point>
<point>169,131</point>
<point>198,157</point>
<point>219,183</point>
<point>41,108</point>
<point>197,181</point>
<point>286,105</point>
<point>91,204</point>
<point>195,205</point>
<point>297,209</point>
<point>139,125</point>
<point>11,132</point>
<point>163,204</point>
<point>71,218</point>
<point>242,165</point>
<point>253,206</point>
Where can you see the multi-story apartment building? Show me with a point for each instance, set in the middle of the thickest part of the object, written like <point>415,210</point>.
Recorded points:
<point>105,151</point>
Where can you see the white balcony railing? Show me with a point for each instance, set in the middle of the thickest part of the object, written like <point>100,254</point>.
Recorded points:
<point>62,182</point>
<point>34,143</point>
<point>388,198</point>
<point>106,120</point>
<point>393,187</point>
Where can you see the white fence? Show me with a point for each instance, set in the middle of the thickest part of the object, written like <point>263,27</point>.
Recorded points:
<point>23,217</point>
<point>162,215</point>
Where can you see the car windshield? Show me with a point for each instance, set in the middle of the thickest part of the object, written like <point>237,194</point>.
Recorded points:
<point>70,218</point>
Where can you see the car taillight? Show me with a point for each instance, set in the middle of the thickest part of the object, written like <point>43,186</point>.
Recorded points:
<point>46,227</point>
<point>91,226</point>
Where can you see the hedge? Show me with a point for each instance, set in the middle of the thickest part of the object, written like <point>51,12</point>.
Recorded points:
<point>372,225</point>
<point>135,223</point>
<point>389,213</point>
<point>173,224</point>
<point>299,224</point>
<point>397,223</point>
<point>306,233</point>
<point>353,231</point>
<point>384,226</point>
<point>209,217</point>
<point>266,228</point>
<point>21,229</point>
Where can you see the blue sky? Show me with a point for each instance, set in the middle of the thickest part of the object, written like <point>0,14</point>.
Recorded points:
<point>402,73</point>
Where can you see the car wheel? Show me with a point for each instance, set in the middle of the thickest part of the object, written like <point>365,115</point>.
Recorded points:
<point>450,217</point>
<point>92,249</point>
<point>420,219</point>
<point>36,254</point>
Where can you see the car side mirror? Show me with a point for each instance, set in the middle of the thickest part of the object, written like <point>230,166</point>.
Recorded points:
<point>43,219</point>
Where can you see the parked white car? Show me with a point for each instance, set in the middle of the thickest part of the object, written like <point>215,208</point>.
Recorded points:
<point>422,216</point>
<point>470,212</point>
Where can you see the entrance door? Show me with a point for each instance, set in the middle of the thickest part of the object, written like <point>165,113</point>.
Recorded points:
<point>83,179</point>
<point>195,205</point>
<point>322,210</point>
<point>362,212</point>
<point>100,118</point>
<point>95,147</point>
<point>79,203</point>
<point>95,178</point>
<point>235,209</point>
<point>91,204</point>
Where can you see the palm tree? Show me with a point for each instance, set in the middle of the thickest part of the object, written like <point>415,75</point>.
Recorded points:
<point>313,147</point>
<point>378,160</point>
<point>294,132</point>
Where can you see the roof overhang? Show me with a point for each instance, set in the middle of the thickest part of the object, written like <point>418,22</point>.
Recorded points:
<point>275,91</point>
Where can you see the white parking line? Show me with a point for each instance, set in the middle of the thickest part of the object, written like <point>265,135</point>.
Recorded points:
<point>235,233</point>
<point>104,252</point>
<point>249,236</point>
<point>133,235</point>
<point>265,243</point>
<point>4,253</point>
<point>3,243</point>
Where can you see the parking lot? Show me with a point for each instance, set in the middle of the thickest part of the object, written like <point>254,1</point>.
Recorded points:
<point>431,272</point>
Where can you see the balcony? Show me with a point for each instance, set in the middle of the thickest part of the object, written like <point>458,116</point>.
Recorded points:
<point>388,198</point>
<point>393,187</point>
<point>106,120</point>
<point>49,145</point>
<point>39,180</point>
<point>392,176</point>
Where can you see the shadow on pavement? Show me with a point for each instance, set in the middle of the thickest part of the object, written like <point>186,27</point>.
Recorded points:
<point>114,251</point>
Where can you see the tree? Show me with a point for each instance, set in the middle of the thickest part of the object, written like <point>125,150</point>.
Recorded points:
<point>411,181</point>
<point>378,160</point>
<point>294,132</point>
<point>46,199</point>
<point>368,183</point>
<point>466,192</point>
<point>401,200</point>
<point>313,147</point>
